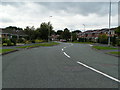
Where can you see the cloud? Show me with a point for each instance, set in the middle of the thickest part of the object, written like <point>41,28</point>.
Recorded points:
<point>84,8</point>
<point>67,14</point>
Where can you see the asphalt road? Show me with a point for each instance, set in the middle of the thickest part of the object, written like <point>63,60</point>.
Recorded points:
<point>63,66</point>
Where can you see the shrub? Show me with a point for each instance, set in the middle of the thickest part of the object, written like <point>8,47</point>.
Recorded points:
<point>3,40</point>
<point>33,41</point>
<point>14,41</point>
<point>38,41</point>
<point>9,43</point>
<point>113,40</point>
<point>27,42</point>
<point>103,39</point>
<point>118,42</point>
<point>20,40</point>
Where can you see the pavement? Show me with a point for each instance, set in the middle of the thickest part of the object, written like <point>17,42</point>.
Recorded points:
<point>63,66</point>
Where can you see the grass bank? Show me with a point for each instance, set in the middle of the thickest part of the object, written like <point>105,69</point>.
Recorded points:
<point>115,53</point>
<point>104,48</point>
<point>40,44</point>
<point>83,42</point>
<point>6,50</point>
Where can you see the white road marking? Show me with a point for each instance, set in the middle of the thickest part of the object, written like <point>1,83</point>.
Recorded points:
<point>117,80</point>
<point>71,44</point>
<point>90,45</point>
<point>66,55</point>
<point>62,49</point>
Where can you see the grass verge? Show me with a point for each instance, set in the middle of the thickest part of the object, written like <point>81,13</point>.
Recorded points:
<point>40,44</point>
<point>83,42</point>
<point>6,50</point>
<point>115,53</point>
<point>104,48</point>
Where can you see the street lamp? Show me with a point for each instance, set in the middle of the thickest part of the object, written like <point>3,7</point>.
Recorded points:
<point>109,24</point>
<point>71,35</point>
<point>84,31</point>
<point>49,31</point>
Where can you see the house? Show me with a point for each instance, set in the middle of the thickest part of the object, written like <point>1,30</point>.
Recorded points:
<point>94,34</point>
<point>8,34</point>
<point>54,37</point>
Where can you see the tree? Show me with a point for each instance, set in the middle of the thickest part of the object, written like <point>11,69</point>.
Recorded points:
<point>59,32</point>
<point>117,31</point>
<point>13,28</point>
<point>45,30</point>
<point>66,34</point>
<point>103,38</point>
<point>30,31</point>
<point>76,31</point>
<point>74,36</point>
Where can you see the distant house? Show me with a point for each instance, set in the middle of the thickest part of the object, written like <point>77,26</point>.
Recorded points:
<point>7,34</point>
<point>94,34</point>
<point>54,37</point>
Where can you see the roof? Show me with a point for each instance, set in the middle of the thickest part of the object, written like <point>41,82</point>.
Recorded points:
<point>13,32</point>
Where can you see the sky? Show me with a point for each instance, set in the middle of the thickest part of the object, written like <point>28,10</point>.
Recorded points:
<point>71,15</point>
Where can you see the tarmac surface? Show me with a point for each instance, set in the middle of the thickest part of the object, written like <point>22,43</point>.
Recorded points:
<point>63,66</point>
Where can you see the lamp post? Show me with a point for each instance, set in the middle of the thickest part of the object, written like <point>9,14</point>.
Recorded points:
<point>84,31</point>
<point>49,30</point>
<point>71,35</point>
<point>109,24</point>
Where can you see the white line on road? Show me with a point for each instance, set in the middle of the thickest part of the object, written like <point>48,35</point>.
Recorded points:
<point>90,45</point>
<point>71,44</point>
<point>66,55</point>
<point>99,72</point>
<point>62,49</point>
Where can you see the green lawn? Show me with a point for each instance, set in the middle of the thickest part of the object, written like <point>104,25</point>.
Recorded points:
<point>83,42</point>
<point>116,53</point>
<point>41,44</point>
<point>103,48</point>
<point>6,50</point>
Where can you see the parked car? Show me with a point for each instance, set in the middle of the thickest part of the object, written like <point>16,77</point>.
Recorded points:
<point>63,40</point>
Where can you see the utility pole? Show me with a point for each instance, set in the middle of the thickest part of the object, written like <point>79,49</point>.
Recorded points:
<point>84,31</point>
<point>71,35</point>
<point>109,24</point>
<point>49,30</point>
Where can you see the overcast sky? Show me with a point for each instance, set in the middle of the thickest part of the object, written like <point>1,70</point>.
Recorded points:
<point>71,15</point>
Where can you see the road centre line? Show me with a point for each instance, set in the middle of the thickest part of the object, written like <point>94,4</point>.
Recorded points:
<point>66,55</point>
<point>62,49</point>
<point>106,75</point>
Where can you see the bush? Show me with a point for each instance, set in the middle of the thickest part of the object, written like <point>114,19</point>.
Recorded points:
<point>113,40</point>
<point>33,41</point>
<point>38,41</point>
<point>14,41</point>
<point>20,40</point>
<point>103,39</point>
<point>81,39</point>
<point>118,42</point>
<point>27,42</point>
<point>9,43</point>
<point>3,40</point>
<point>6,42</point>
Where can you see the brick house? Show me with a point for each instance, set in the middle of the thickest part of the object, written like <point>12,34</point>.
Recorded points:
<point>94,34</point>
<point>7,34</point>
